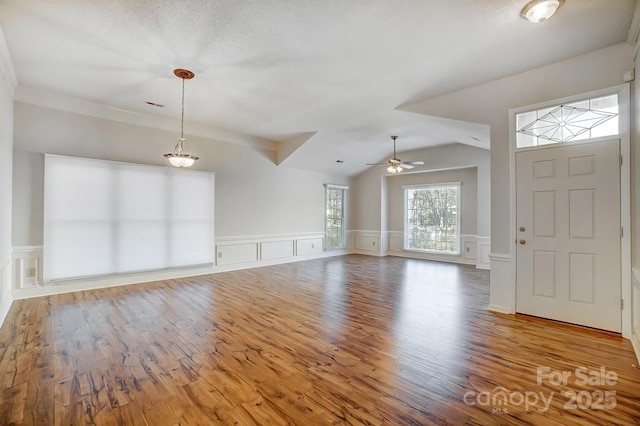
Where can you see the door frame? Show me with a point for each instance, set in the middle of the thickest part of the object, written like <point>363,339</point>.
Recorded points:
<point>624,106</point>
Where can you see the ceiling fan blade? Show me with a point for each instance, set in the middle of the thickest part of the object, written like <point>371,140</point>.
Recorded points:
<point>376,164</point>
<point>405,166</point>
<point>414,163</point>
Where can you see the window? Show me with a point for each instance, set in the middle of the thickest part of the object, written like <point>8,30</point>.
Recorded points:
<point>103,217</point>
<point>431,218</point>
<point>589,118</point>
<point>334,216</point>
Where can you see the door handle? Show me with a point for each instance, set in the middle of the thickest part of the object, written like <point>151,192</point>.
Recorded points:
<point>522,242</point>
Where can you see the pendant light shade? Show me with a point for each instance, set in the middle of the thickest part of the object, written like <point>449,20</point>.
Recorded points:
<point>178,158</point>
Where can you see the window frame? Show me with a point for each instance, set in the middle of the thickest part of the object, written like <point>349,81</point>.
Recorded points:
<point>542,109</point>
<point>405,189</point>
<point>343,235</point>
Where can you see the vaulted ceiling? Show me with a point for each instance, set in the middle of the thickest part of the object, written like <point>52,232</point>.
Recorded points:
<point>319,81</point>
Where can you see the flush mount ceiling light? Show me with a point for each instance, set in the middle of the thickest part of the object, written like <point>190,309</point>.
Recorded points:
<point>538,11</point>
<point>178,158</point>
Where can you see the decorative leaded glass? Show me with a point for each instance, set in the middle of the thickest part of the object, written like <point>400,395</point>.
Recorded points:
<point>565,122</point>
<point>584,119</point>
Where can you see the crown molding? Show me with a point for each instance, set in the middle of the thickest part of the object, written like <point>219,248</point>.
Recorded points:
<point>6,65</point>
<point>75,105</point>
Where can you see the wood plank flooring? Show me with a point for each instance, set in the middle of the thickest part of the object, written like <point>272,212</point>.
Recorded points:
<point>346,340</point>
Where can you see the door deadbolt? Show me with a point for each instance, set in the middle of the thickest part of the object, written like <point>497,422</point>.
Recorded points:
<point>522,229</point>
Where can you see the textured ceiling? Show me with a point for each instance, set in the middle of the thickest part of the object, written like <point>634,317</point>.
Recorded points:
<point>328,73</point>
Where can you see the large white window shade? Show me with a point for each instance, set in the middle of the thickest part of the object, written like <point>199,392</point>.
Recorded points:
<point>103,217</point>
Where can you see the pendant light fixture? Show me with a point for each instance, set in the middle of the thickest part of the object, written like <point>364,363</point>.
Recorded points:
<point>177,158</point>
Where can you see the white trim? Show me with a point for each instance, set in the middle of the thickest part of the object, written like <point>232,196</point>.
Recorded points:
<point>61,102</point>
<point>625,188</point>
<point>22,258</point>
<point>6,65</point>
<point>554,142</point>
<point>390,243</point>
<point>25,249</point>
<point>129,279</point>
<point>343,210</point>
<point>635,342</point>
<point>5,287</point>
<point>635,334</point>
<point>483,250</point>
<point>432,185</point>
<point>239,239</point>
<point>499,257</point>
<point>66,286</point>
<point>500,285</point>
<point>335,186</point>
<point>405,219</point>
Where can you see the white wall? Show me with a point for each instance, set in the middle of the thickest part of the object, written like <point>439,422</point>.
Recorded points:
<point>635,210</point>
<point>372,187</point>
<point>468,195</point>
<point>489,103</point>
<point>6,148</point>
<point>253,195</point>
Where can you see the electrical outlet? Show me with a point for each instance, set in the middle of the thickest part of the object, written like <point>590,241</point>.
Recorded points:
<point>30,272</point>
<point>467,249</point>
<point>373,243</point>
<point>219,255</point>
<point>313,245</point>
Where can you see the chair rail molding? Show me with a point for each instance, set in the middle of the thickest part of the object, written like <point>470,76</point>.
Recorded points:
<point>232,253</point>
<point>474,250</point>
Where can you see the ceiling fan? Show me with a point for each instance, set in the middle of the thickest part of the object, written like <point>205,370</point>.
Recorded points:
<point>396,165</point>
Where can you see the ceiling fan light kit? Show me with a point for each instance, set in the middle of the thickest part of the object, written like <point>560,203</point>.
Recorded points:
<point>394,164</point>
<point>178,158</point>
<point>538,11</point>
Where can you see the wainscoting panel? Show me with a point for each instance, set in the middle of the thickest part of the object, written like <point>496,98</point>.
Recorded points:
<point>309,246</point>
<point>474,250</point>
<point>27,266</point>
<point>368,243</point>
<point>276,249</point>
<point>484,250</point>
<point>501,291</point>
<point>232,253</point>
<point>236,253</point>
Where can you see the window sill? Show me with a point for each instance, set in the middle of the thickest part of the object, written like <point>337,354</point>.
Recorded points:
<point>440,253</point>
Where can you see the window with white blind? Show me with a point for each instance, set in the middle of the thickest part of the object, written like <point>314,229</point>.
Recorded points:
<point>104,217</point>
<point>335,216</point>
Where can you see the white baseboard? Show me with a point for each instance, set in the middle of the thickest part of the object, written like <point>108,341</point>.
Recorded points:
<point>432,256</point>
<point>6,297</point>
<point>635,342</point>
<point>499,309</point>
<point>483,260</point>
<point>303,247</point>
<point>474,250</point>
<point>500,286</point>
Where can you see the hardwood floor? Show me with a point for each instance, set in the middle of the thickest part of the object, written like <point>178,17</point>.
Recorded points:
<point>345,340</point>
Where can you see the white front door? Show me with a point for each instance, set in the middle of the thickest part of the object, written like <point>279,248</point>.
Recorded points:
<point>568,234</point>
